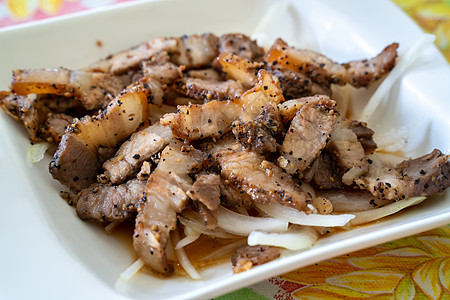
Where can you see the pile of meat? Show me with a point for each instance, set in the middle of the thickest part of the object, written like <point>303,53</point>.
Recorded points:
<point>202,122</point>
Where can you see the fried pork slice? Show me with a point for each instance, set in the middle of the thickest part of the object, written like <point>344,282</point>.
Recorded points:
<point>165,197</point>
<point>240,45</point>
<point>248,256</point>
<point>76,162</point>
<point>307,135</point>
<point>108,203</point>
<point>347,151</point>
<point>323,70</point>
<point>260,135</point>
<point>323,173</point>
<point>205,74</point>
<point>364,135</point>
<point>209,89</point>
<point>423,176</point>
<point>141,146</point>
<point>191,51</point>
<point>239,69</point>
<point>55,126</point>
<point>296,85</point>
<point>206,192</point>
<point>93,89</point>
<point>161,69</point>
<point>262,180</point>
<point>121,62</point>
<point>24,109</point>
<point>288,109</point>
<point>214,118</point>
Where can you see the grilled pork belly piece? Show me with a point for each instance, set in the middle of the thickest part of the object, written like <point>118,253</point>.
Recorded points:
<point>191,51</point>
<point>78,158</point>
<point>323,173</point>
<point>248,256</point>
<point>239,69</point>
<point>307,135</point>
<point>296,85</point>
<point>248,172</point>
<point>55,126</point>
<point>94,90</point>
<point>209,89</point>
<point>240,45</point>
<point>165,197</point>
<point>214,118</point>
<point>25,110</point>
<point>288,109</point>
<point>423,176</point>
<point>107,203</point>
<point>208,74</point>
<point>322,70</point>
<point>141,146</point>
<point>364,135</point>
<point>206,194</point>
<point>260,134</point>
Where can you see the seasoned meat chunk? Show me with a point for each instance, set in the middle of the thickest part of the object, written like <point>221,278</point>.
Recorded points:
<point>165,197</point>
<point>25,110</point>
<point>78,158</point>
<point>133,152</point>
<point>262,180</point>
<point>241,45</point>
<point>104,202</point>
<point>296,85</point>
<point>93,89</point>
<point>324,71</point>
<point>306,137</point>
<point>214,118</point>
<point>364,135</point>
<point>209,89</point>
<point>248,256</point>
<point>422,176</point>
<point>55,126</point>
<point>260,135</point>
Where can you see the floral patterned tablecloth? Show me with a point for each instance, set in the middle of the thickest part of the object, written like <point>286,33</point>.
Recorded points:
<point>416,267</point>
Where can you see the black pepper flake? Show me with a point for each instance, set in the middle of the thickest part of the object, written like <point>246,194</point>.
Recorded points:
<point>136,156</point>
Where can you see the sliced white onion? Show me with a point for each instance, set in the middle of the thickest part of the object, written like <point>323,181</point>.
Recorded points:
<point>403,63</point>
<point>110,227</point>
<point>183,259</point>
<point>37,151</point>
<point>187,240</point>
<point>243,225</point>
<point>294,216</point>
<point>200,227</point>
<point>132,270</point>
<point>295,239</point>
<point>378,213</point>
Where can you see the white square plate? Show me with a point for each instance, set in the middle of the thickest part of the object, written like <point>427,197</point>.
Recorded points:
<point>47,252</point>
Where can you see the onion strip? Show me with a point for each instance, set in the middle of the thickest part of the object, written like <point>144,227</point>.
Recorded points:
<point>200,227</point>
<point>132,270</point>
<point>243,225</point>
<point>295,239</point>
<point>294,216</point>
<point>187,240</point>
<point>183,259</point>
<point>378,213</point>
